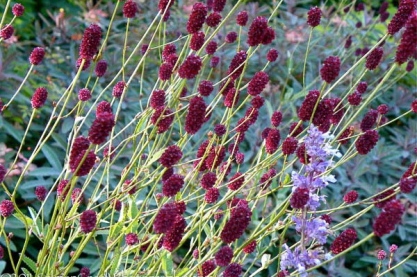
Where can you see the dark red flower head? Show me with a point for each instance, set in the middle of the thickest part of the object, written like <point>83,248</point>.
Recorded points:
<point>218,5</point>
<point>6,208</point>
<point>314,17</point>
<point>259,32</point>
<point>330,69</point>
<point>130,9</point>
<point>101,127</point>
<point>88,221</point>
<point>242,18</point>
<point>211,47</point>
<point>41,192</point>
<point>197,18</point>
<point>197,40</point>
<point>206,268</point>
<point>196,115</point>
<point>90,42</point>
<point>174,235</point>
<point>131,239</point>
<point>366,142</point>
<point>84,94</point>
<point>299,198</point>
<point>289,145</point>
<point>162,118</point>
<point>307,107</point>
<point>171,156</point>
<point>101,68</point>
<point>234,228</point>
<point>250,247</point>
<point>205,87</point>
<point>165,218</point>
<point>350,197</point>
<point>388,218</point>
<point>18,9</point>
<point>374,58</point>
<point>408,43</point>
<point>231,37</point>
<point>272,55</point>
<point>37,55</point>
<point>39,98</point>
<point>369,120</point>
<point>224,256</point>
<point>400,18</point>
<point>103,107</point>
<point>233,270</point>
<point>118,89</point>
<point>213,19</point>
<point>344,241</point>
<point>173,185</point>
<point>157,98</point>
<point>190,67</point>
<point>258,83</point>
<point>236,65</point>
<point>165,71</point>
<point>211,196</point>
<point>208,180</point>
<point>236,181</point>
<point>6,32</point>
<point>164,4</point>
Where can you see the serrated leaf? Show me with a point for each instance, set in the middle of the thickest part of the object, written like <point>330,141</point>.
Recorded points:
<point>30,263</point>
<point>52,157</point>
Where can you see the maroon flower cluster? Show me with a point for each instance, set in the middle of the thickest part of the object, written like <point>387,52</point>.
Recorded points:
<point>90,42</point>
<point>224,256</point>
<point>258,83</point>
<point>384,198</point>
<point>101,68</point>
<point>345,135</point>
<point>374,58</point>
<point>164,4</point>
<point>350,197</point>
<point>101,127</point>
<point>213,19</point>
<point>208,180</point>
<point>157,98</point>
<point>344,241</point>
<point>190,67</point>
<point>400,18</point>
<point>18,9</point>
<point>172,185</point>
<point>250,247</point>
<point>131,239</point>
<point>78,151</point>
<point>84,94</point>
<point>259,32</point>
<point>236,65</point>
<point>130,9</point>
<point>266,178</point>
<point>355,98</point>
<point>6,32</point>
<point>240,217</point>
<point>330,69</point>
<point>197,40</point>
<point>103,107</point>
<point>389,218</point>
<point>165,71</point>
<point>118,89</point>
<point>242,18</point>
<point>206,268</point>
<point>36,56</point>
<point>196,115</point>
<point>88,221</point>
<point>236,181</point>
<point>39,98</point>
<point>174,235</point>
<point>408,43</point>
<point>289,145</point>
<point>299,198</point>
<point>171,156</point>
<point>232,270</point>
<point>230,37</point>
<point>307,107</point>
<point>369,120</point>
<point>6,208</point>
<point>62,189</point>
<point>218,5</point>
<point>84,272</point>
<point>212,195</point>
<point>205,88</point>
<point>272,55</point>
<point>314,17</point>
<point>366,142</point>
<point>272,141</point>
<point>77,196</point>
<point>197,18</point>
<point>40,192</point>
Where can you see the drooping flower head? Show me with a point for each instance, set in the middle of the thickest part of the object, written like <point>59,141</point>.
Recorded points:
<point>408,43</point>
<point>400,18</point>
<point>39,98</point>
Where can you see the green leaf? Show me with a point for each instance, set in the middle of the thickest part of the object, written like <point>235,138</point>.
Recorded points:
<point>37,227</point>
<point>167,264</point>
<point>45,172</point>
<point>182,271</point>
<point>24,219</point>
<point>52,157</point>
<point>3,266</point>
<point>30,263</point>
<point>15,133</point>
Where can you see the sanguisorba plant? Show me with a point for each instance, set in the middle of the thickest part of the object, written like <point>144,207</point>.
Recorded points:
<point>170,190</point>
